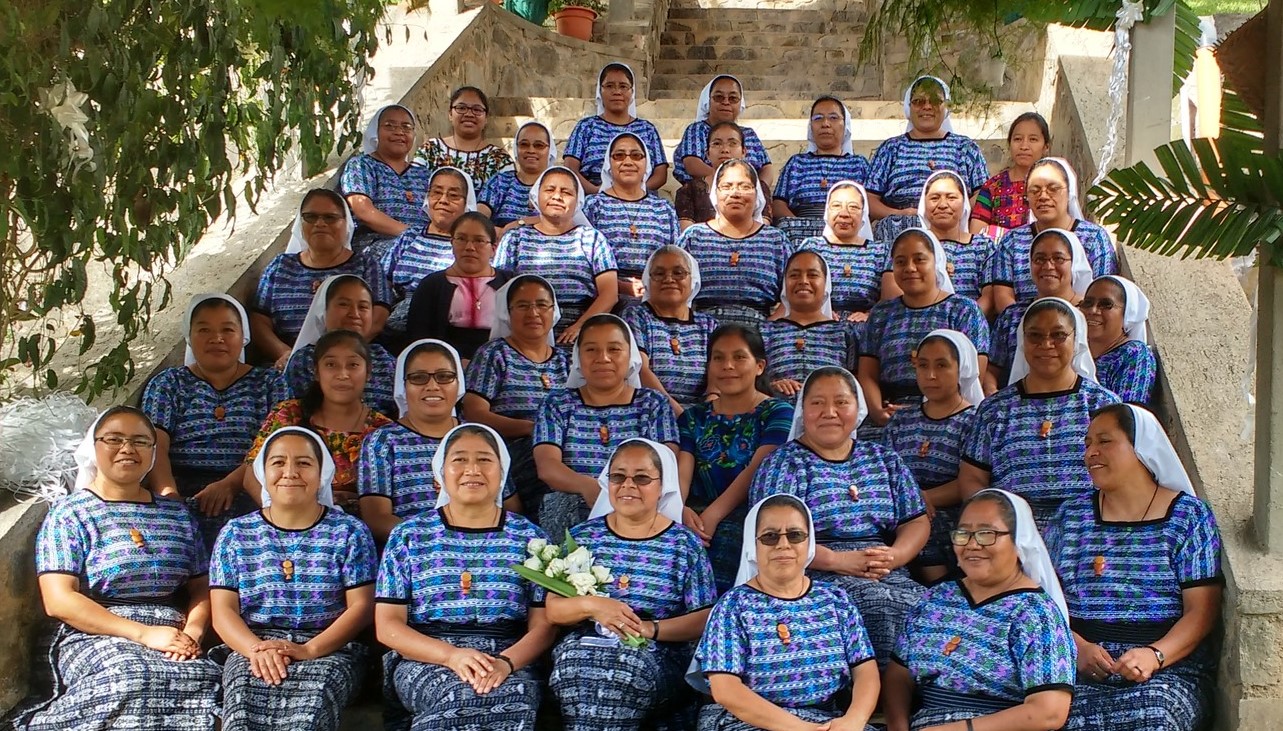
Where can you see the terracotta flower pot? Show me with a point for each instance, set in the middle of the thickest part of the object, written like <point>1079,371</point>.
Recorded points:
<point>575,22</point>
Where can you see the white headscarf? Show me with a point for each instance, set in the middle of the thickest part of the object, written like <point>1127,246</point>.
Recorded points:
<point>826,307</point>
<point>862,410</point>
<point>502,326</point>
<point>632,377</point>
<point>601,78</point>
<point>847,147</point>
<point>968,364</point>
<point>86,456</point>
<point>552,142</point>
<point>942,259</point>
<point>1075,208</point>
<point>966,201</point>
<point>759,202</point>
<point>607,180</point>
<point>578,215</point>
<point>314,321</point>
<point>1080,273</point>
<point>701,111</point>
<point>866,224</point>
<point>1032,552</point>
<point>1155,451</point>
<point>1135,308</point>
<point>470,195</point>
<point>1082,362</point>
<point>438,463</point>
<point>691,264</point>
<point>670,493</point>
<point>947,123</point>
<point>189,356</point>
<point>398,385</point>
<point>298,244</point>
<point>370,142</point>
<point>324,491</point>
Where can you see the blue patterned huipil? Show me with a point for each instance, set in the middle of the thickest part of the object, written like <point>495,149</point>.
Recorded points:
<point>745,271</point>
<point>901,166</point>
<point>514,385</point>
<point>507,197</point>
<point>695,144</point>
<point>856,272</point>
<point>287,285</point>
<point>678,349</point>
<point>1003,338</point>
<point>591,138</point>
<point>804,182</point>
<point>856,503</point>
<point>570,262</point>
<point>414,255</point>
<point>894,330</point>
<point>1123,582</point>
<point>634,228</point>
<point>793,350</point>
<point>969,660</point>
<point>1130,371</point>
<point>1009,266</point>
<point>300,371</point>
<point>1008,442</point>
<point>969,263</point>
<point>399,196</point>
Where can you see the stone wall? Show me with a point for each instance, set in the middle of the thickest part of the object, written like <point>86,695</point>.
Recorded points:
<point>20,611</point>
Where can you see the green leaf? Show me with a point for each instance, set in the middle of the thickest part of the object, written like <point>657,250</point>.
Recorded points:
<point>557,586</point>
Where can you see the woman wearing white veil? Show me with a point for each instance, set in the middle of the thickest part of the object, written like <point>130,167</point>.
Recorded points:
<point>383,185</point>
<point>1116,311</point>
<point>722,100</point>
<point>799,203</point>
<point>616,114</point>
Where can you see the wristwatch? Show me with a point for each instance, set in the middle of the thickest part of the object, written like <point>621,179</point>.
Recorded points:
<point>1162,659</point>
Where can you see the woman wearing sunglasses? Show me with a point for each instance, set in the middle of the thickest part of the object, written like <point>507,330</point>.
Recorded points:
<point>1116,311</point>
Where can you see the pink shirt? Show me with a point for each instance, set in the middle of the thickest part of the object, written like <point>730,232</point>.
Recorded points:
<point>473,303</point>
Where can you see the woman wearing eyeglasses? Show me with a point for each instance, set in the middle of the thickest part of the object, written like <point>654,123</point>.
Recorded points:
<point>1116,311</point>
<point>662,591</point>
<point>801,193</point>
<point>781,649</point>
<point>991,650</point>
<point>692,200</point>
<point>382,185</point>
<point>587,149</point>
<point>858,263</point>
<point>320,247</point>
<point>1028,436</point>
<point>505,197</point>
<point>722,100</point>
<point>466,147</point>
<point>125,574</point>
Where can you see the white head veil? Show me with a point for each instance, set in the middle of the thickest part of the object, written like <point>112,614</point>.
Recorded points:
<point>1079,267</point>
<point>701,111</point>
<point>324,492</point>
<point>866,224</point>
<point>578,215</point>
<point>438,463</point>
<point>470,191</point>
<point>314,321</point>
<point>370,142</point>
<point>942,259</point>
<point>862,409</point>
<point>502,326</point>
<point>632,377</point>
<point>1030,549</point>
<point>398,385</point>
<point>608,180</point>
<point>189,356</point>
<point>691,264</point>
<point>601,79</point>
<point>298,244</point>
<point>759,201</point>
<point>947,123</point>
<point>1075,208</point>
<point>670,494</point>
<point>1155,451</point>
<point>968,364</point>
<point>87,457</point>
<point>1135,308</point>
<point>826,307</point>
<point>847,148</point>
<point>1082,362</point>
<point>966,201</point>
<point>552,142</point>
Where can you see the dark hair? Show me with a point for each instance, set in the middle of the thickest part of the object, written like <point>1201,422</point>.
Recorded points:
<point>401,107</point>
<point>824,265</point>
<point>831,372</point>
<point>1034,117</point>
<point>1005,509</point>
<point>639,445</point>
<point>125,411</point>
<point>953,348</point>
<point>738,163</point>
<point>537,125</point>
<point>927,82</point>
<point>951,175</point>
<point>214,303</point>
<point>826,98</point>
<point>560,170</point>
<point>433,348</point>
<point>341,280</point>
<point>476,217</point>
<point>470,430</point>
<point>485,101</point>
<point>912,234</point>
<point>756,346</point>
<point>314,444</point>
<point>603,319</point>
<point>779,501</point>
<point>522,280</point>
<point>1050,304</point>
<point>621,136</point>
<point>1126,419</point>
<point>601,77</point>
<point>450,170</point>
<point>332,195</point>
<point>1048,162</point>
<point>721,126</point>
<point>719,77</point>
<point>1051,233</point>
<point>312,399</point>
<point>1111,281</point>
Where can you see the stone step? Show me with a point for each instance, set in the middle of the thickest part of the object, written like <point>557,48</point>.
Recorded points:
<point>754,44</point>
<point>751,16</point>
<point>793,62</point>
<point>773,5</point>
<point>816,25</point>
<point>801,85</point>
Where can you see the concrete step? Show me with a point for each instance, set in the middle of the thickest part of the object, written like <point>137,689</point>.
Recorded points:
<point>794,62</point>
<point>803,84</point>
<point>750,16</point>
<point>764,44</point>
<point>718,23</point>
<point>774,5</point>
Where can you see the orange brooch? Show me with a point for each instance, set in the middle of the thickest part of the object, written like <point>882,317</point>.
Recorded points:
<point>287,569</point>
<point>952,645</point>
<point>782,630</point>
<point>735,258</point>
<point>1098,566</point>
<point>1044,431</point>
<point>465,582</point>
<point>924,448</point>
<point>136,536</point>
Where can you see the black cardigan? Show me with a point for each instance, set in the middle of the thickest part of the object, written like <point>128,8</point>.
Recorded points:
<point>429,314</point>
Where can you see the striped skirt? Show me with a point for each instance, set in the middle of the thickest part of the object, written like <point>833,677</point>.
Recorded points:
<point>313,696</point>
<point>749,316</point>
<point>713,717</point>
<point>1176,698</point>
<point>942,707</point>
<point>618,687</point>
<point>106,683</point>
<point>892,226</point>
<point>559,512</point>
<point>883,604</point>
<point>799,229</point>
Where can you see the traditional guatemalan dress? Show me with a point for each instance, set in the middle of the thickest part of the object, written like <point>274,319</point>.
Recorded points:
<point>571,262</point>
<point>745,637</point>
<point>590,140</point>
<point>507,198</point>
<point>412,256</point>
<point>1123,583</point>
<point>901,166</point>
<point>968,263</point>
<point>678,349</point>
<point>210,430</point>
<point>1000,203</point>
<point>693,204</point>
<point>329,558</point>
<point>604,685</point>
<point>1032,444</point>
<point>804,184</point>
<point>932,450</point>
<point>1130,371</point>
<point>345,447</point>
<point>695,144</point>
<point>1009,266</point>
<point>587,437</point>
<point>722,447</point>
<point>300,372</point>
<point>855,273</point>
<point>969,660</point>
<point>633,228</point>
<point>287,286</point>
<point>794,350</point>
<point>856,503</point>
<point>479,165</point>
<point>423,568</point>
<point>1004,341</point>
<point>740,278</point>
<point>104,683</point>
<point>400,196</point>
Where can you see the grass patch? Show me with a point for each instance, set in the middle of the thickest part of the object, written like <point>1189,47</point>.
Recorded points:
<point>1213,7</point>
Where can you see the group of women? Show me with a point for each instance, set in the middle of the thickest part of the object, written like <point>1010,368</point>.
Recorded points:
<point>836,472</point>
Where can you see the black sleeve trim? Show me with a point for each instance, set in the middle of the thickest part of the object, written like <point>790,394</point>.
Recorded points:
<point>359,585</point>
<point>977,463</point>
<point>232,589</point>
<point>913,517</point>
<point>1217,580</point>
<point>391,600</point>
<point>58,571</point>
<point>537,605</point>
<point>374,494</point>
<point>897,660</point>
<point>723,672</point>
<point>865,660</point>
<point>998,283</point>
<point>201,575</point>
<point>1049,686</point>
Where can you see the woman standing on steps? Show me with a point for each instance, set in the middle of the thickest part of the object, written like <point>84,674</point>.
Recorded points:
<point>384,188</point>
<point>1000,202</point>
<point>505,198</point>
<point>722,100</point>
<point>801,193</point>
<point>586,150</point>
<point>466,147</point>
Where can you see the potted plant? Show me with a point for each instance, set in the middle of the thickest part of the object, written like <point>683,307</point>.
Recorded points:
<point>574,18</point>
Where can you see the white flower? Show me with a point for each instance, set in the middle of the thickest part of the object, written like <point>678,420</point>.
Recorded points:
<point>584,583</point>
<point>548,553</point>
<point>602,575</point>
<point>533,564</point>
<point>535,546</point>
<point>579,561</point>
<point>64,102</point>
<point>556,568</point>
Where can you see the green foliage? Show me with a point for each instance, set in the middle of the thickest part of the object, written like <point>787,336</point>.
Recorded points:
<point>189,103</point>
<point>597,6</point>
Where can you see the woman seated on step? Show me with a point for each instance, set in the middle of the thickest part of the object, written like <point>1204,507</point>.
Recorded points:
<point>902,164</point>
<point>722,100</point>
<point>802,190</point>
<point>320,247</point>
<point>1001,203</point>
<point>505,197</point>
<point>587,149</point>
<point>1116,311</point>
<point>805,336</point>
<point>693,203</point>
<point>945,211</point>
<point>382,185</point>
<point>466,147</point>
